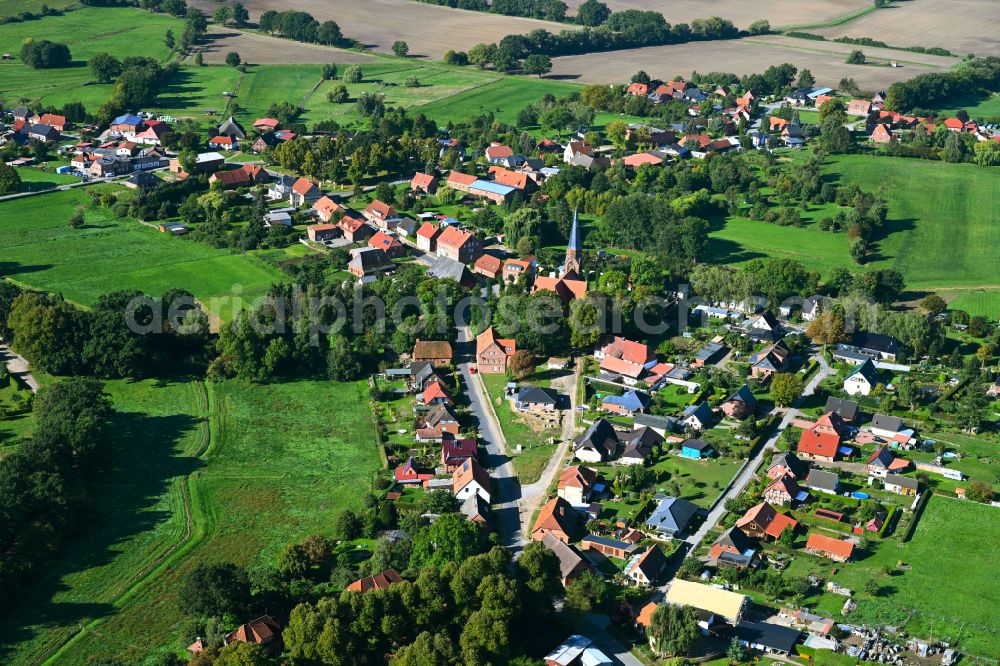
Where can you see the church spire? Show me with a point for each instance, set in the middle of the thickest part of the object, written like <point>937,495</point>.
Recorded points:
<point>571,266</point>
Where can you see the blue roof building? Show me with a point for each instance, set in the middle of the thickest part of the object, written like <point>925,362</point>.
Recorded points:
<point>631,403</point>
<point>672,516</point>
<point>127,119</point>
<point>491,187</point>
<point>696,449</point>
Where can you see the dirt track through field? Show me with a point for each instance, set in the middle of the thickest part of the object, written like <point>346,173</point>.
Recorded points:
<point>746,56</point>
<point>429,30</point>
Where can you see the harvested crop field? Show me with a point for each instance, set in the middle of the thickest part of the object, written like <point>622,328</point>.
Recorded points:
<point>783,12</point>
<point>962,26</point>
<point>429,30</point>
<point>266,50</point>
<point>746,56</point>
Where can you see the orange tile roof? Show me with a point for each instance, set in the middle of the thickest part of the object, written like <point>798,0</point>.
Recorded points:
<point>489,264</point>
<point>470,470</point>
<point>327,207</point>
<point>421,180</point>
<point>488,337</point>
<point>577,476</point>
<point>303,186</point>
<point>428,230</point>
<point>816,443</point>
<point>350,224</point>
<point>555,515</point>
<point>380,208</point>
<point>453,237</point>
<point>826,544</point>
<point>461,178</point>
<point>646,614</point>
<point>379,581</point>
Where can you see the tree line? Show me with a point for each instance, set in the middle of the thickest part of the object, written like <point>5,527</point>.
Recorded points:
<point>626,29</point>
<point>925,91</point>
<point>59,338</point>
<point>302,27</point>
<point>47,483</point>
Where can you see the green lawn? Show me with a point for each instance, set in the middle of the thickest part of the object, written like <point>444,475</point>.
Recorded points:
<point>530,463</point>
<point>950,591</point>
<point>294,83</point>
<point>39,249</point>
<point>980,107</point>
<point>739,240</point>
<point>941,233</point>
<point>34,178</point>
<point>194,92</point>
<point>13,7</point>
<point>13,423</point>
<point>87,32</point>
<point>942,223</point>
<point>504,98</point>
<point>275,465</point>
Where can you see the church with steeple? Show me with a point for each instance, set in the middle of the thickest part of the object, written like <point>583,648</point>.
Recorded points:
<point>571,266</point>
<point>570,284</point>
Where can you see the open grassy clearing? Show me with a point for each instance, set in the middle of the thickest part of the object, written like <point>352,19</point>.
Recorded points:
<point>942,226</point>
<point>741,240</point>
<point>158,433</point>
<point>14,7</point>
<point>949,592</point>
<point>940,235</point>
<point>87,32</point>
<point>980,107</point>
<point>742,14</point>
<point>740,56</point>
<point>196,93</point>
<point>263,86</point>
<point>34,179</point>
<point>962,26</point>
<point>430,30</point>
<point>504,97</point>
<point>39,249</point>
<point>279,465</point>
<point>13,425</point>
<point>517,430</point>
<point>262,49</point>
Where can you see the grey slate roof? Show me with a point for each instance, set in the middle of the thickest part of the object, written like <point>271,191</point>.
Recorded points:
<point>820,480</point>
<point>899,480</point>
<point>536,394</point>
<point>672,515</point>
<point>845,409</point>
<point>883,422</point>
<point>790,461</point>
<point>600,436</point>
<point>773,636</point>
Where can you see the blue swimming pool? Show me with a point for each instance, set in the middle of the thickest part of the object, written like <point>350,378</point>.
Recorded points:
<point>857,494</point>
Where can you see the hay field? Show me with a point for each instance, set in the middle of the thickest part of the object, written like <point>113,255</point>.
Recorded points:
<point>962,26</point>
<point>266,50</point>
<point>430,30</point>
<point>745,56</point>
<point>779,13</point>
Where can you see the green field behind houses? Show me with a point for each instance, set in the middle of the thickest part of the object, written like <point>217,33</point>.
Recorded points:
<point>39,249</point>
<point>941,235</point>
<point>504,98</point>
<point>948,593</point>
<point>87,32</point>
<point>224,472</point>
<point>980,107</point>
